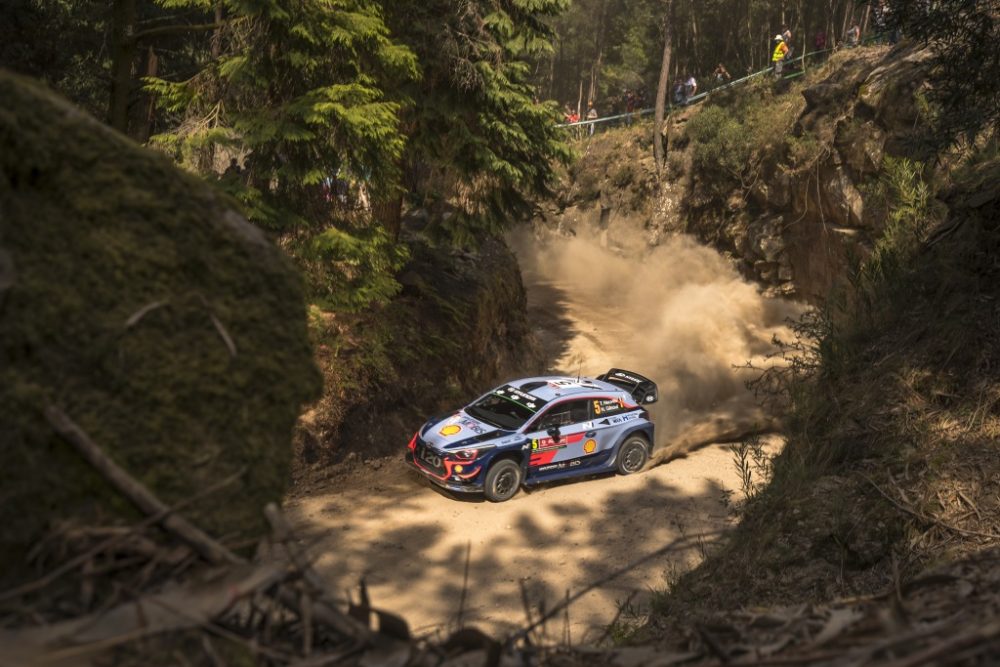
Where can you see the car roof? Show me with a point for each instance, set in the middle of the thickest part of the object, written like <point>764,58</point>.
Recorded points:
<point>550,387</point>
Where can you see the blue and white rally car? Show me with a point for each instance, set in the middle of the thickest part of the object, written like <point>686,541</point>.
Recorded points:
<point>538,430</point>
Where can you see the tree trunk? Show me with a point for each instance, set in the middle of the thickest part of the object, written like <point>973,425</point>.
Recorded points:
<point>123,48</point>
<point>662,89</point>
<point>217,33</point>
<point>389,213</point>
<point>152,69</point>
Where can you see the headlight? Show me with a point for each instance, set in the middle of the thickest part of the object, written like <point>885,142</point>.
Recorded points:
<point>466,454</point>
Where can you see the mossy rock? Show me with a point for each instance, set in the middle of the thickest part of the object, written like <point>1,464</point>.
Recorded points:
<point>137,300</point>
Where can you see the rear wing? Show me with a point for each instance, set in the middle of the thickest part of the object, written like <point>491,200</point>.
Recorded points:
<point>643,389</point>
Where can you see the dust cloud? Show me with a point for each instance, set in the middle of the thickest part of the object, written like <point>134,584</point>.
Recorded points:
<point>678,313</point>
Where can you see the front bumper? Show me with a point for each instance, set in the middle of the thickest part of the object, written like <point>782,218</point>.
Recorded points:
<point>473,485</point>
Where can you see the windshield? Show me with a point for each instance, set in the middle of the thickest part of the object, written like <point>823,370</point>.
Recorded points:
<point>506,408</point>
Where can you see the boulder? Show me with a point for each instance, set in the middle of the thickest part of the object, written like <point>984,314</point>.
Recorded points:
<point>135,298</point>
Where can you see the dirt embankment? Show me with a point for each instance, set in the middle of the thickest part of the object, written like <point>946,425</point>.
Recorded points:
<point>458,327</point>
<point>892,463</point>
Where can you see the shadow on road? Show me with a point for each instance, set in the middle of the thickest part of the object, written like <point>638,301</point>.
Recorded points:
<point>411,544</point>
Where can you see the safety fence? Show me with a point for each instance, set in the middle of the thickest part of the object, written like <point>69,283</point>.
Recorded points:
<point>797,67</point>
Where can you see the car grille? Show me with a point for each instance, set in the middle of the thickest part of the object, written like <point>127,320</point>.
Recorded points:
<point>428,458</point>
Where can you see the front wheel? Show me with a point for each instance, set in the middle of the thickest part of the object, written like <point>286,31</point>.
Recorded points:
<point>502,481</point>
<point>633,455</point>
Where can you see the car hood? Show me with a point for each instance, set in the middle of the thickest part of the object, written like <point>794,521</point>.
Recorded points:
<point>458,431</point>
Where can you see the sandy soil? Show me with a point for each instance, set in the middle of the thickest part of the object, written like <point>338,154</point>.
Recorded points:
<point>412,542</point>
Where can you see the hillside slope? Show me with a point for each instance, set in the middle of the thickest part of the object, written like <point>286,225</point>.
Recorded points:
<point>822,190</point>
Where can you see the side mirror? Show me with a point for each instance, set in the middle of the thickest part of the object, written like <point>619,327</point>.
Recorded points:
<point>554,433</point>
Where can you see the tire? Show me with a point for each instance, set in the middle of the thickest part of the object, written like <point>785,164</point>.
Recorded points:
<point>503,479</point>
<point>632,455</point>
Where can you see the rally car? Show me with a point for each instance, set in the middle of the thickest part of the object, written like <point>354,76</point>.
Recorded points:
<point>537,430</point>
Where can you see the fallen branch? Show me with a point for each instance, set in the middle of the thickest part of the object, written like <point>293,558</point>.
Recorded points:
<point>322,611</point>
<point>106,544</point>
<point>136,493</point>
<point>143,617</point>
<point>203,544</point>
<point>930,519</point>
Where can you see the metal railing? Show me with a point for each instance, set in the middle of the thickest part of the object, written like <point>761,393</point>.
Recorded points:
<point>736,82</point>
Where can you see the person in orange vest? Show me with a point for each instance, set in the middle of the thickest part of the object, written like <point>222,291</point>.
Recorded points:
<point>778,57</point>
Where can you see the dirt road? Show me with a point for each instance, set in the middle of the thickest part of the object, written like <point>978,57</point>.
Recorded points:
<point>412,542</point>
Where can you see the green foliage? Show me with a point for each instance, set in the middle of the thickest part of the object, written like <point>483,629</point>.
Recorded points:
<point>968,96</point>
<point>61,43</point>
<point>731,144</point>
<point>911,209</point>
<point>479,140</point>
<point>753,464</point>
<point>299,90</point>
<point>804,151</point>
<point>349,269</point>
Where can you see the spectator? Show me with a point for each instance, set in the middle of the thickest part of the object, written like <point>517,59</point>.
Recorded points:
<point>819,45</point>
<point>721,75</point>
<point>679,97</point>
<point>629,105</point>
<point>819,42</point>
<point>690,88</point>
<point>778,57</point>
<point>786,35</point>
<point>233,169</point>
<point>853,36</point>
<point>592,116</point>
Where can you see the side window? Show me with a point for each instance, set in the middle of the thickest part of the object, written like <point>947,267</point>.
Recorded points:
<point>563,414</point>
<point>607,406</point>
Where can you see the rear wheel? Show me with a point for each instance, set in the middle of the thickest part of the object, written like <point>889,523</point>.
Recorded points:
<point>633,455</point>
<point>502,481</point>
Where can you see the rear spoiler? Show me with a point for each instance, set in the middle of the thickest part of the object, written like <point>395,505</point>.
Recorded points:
<point>643,389</point>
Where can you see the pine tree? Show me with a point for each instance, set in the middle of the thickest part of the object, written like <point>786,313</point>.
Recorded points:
<point>297,93</point>
<point>481,145</point>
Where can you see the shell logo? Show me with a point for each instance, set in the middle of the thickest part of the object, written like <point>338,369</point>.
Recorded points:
<point>590,446</point>
<point>451,429</point>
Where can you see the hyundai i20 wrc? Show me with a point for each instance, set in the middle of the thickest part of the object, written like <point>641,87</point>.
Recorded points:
<point>538,430</point>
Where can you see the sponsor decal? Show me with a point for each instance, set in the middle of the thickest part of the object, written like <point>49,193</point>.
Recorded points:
<point>621,419</point>
<point>527,400</point>
<point>542,458</point>
<point>560,466</point>
<point>472,426</point>
<point>450,429</point>
<point>626,376</point>
<point>590,446</point>
<point>602,405</point>
<point>568,383</point>
<point>550,443</point>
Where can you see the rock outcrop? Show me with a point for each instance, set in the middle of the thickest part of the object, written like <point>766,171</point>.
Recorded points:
<point>804,226</point>
<point>137,300</point>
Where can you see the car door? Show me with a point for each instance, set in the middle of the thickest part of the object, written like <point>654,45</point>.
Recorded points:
<point>610,418</point>
<point>557,438</point>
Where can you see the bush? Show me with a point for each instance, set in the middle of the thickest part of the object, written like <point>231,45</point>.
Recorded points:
<point>732,144</point>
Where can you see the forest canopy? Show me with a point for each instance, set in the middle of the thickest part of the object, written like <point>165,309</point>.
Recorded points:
<point>328,119</point>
